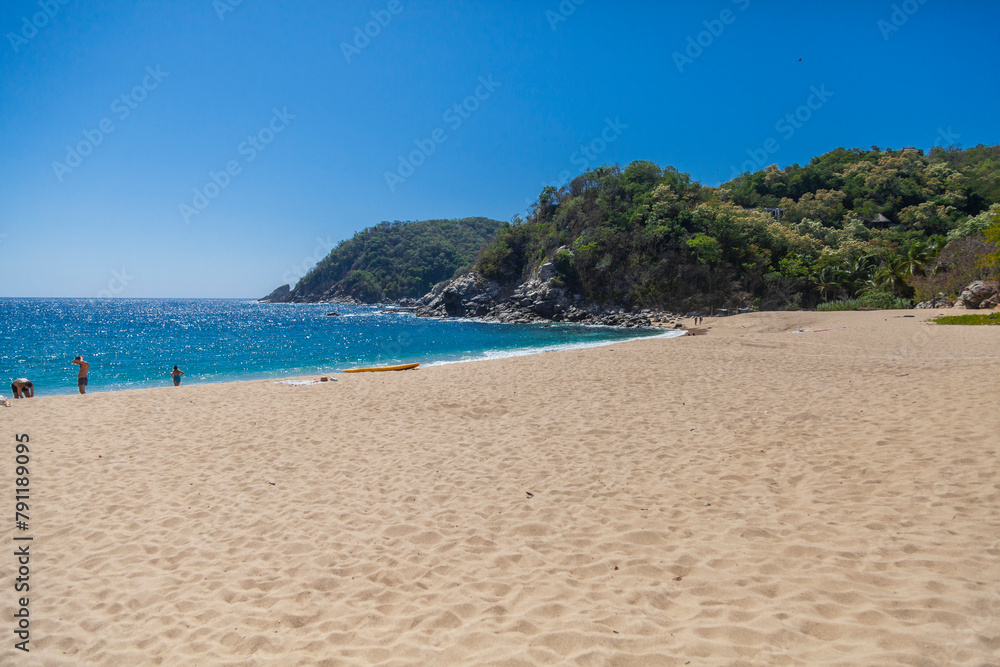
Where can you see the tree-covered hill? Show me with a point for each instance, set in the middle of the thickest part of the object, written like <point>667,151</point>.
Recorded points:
<point>851,223</point>
<point>394,260</point>
<point>930,194</point>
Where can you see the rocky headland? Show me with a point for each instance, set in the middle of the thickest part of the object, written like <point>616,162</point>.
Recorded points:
<point>538,299</point>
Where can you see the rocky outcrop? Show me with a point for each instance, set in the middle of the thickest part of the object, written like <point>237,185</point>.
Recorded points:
<point>539,299</point>
<point>334,294</point>
<point>940,301</point>
<point>979,294</point>
<point>279,295</point>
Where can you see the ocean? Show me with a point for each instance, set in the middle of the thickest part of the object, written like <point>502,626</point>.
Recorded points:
<point>134,343</point>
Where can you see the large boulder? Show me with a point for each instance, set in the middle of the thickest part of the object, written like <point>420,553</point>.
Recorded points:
<point>466,296</point>
<point>977,294</point>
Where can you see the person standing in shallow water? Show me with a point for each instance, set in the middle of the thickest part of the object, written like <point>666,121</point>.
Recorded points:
<point>176,375</point>
<point>81,378</point>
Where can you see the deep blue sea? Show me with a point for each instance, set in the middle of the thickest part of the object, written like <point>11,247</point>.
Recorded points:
<point>134,343</point>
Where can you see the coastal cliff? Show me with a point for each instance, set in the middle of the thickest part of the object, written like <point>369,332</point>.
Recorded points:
<point>535,300</point>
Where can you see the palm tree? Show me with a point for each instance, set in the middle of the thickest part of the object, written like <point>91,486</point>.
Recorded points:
<point>916,259</point>
<point>892,275</point>
<point>830,281</point>
<point>860,271</point>
<point>935,245</point>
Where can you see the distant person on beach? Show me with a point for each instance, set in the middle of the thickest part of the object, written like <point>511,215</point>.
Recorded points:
<point>22,388</point>
<point>81,378</point>
<point>176,374</point>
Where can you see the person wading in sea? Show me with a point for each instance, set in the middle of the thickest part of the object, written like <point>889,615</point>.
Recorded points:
<point>81,378</point>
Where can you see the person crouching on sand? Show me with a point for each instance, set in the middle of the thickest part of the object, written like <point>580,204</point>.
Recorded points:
<point>81,378</point>
<point>176,374</point>
<point>22,388</point>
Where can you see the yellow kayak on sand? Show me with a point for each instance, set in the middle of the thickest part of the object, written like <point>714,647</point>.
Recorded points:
<point>401,367</point>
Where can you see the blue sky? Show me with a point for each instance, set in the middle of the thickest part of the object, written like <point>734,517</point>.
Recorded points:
<point>288,136</point>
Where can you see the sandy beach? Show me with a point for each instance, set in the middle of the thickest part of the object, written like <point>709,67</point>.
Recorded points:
<point>747,497</point>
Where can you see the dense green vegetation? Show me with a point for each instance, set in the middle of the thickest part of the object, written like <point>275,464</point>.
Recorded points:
<point>393,260</point>
<point>873,300</point>
<point>987,318</point>
<point>876,226</point>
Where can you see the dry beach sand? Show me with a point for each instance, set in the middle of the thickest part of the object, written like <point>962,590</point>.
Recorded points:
<point>750,496</point>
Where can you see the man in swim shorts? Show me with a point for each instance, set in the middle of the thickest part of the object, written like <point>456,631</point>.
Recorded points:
<point>22,388</point>
<point>81,378</point>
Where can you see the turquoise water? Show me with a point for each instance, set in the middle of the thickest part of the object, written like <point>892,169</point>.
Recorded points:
<point>133,343</point>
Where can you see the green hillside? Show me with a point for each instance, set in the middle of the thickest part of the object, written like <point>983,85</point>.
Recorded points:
<point>851,223</point>
<point>395,260</point>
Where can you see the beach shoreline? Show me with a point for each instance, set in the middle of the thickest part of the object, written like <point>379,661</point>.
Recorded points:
<point>743,497</point>
<point>484,355</point>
